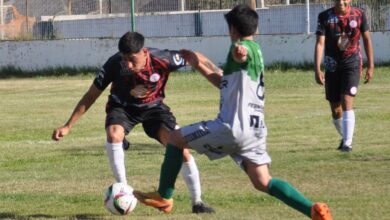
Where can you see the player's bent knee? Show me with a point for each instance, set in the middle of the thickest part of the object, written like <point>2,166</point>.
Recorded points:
<point>115,134</point>
<point>115,138</point>
<point>259,175</point>
<point>261,185</point>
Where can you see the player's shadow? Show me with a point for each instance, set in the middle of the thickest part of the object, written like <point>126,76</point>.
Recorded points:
<point>138,148</point>
<point>134,145</point>
<point>7,215</point>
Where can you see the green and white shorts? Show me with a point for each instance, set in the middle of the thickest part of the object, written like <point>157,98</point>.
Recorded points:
<point>215,139</point>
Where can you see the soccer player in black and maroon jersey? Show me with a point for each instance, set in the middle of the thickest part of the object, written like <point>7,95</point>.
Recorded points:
<point>339,30</point>
<point>138,76</point>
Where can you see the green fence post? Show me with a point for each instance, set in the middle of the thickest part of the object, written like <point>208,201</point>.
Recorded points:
<point>132,16</point>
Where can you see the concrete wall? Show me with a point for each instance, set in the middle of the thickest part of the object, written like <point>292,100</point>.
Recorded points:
<point>35,55</point>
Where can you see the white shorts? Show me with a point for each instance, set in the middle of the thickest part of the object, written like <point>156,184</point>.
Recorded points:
<point>215,139</point>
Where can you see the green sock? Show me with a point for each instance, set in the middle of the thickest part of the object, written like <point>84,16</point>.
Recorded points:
<point>170,168</point>
<point>289,195</point>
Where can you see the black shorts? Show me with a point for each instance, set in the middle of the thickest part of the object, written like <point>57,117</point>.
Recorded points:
<point>343,78</point>
<point>152,118</point>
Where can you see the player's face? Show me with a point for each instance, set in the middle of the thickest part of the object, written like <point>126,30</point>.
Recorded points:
<point>135,62</point>
<point>342,6</point>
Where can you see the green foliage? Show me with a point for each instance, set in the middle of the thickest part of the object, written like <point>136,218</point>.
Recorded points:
<point>40,178</point>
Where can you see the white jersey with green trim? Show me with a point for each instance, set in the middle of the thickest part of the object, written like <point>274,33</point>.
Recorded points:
<point>242,96</point>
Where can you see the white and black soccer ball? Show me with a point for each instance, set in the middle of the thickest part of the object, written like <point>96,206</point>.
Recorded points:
<point>119,199</point>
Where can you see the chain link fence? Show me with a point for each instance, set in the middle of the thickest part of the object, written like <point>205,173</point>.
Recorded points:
<point>70,19</point>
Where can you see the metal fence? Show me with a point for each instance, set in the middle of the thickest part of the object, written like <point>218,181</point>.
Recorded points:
<point>69,19</point>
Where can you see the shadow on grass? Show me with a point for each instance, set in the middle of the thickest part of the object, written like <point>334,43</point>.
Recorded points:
<point>7,215</point>
<point>95,150</point>
<point>9,72</point>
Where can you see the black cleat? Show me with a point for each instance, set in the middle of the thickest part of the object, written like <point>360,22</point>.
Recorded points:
<point>126,144</point>
<point>201,207</point>
<point>341,145</point>
<point>346,149</point>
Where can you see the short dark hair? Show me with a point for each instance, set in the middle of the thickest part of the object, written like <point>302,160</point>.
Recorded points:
<point>244,19</point>
<point>131,42</point>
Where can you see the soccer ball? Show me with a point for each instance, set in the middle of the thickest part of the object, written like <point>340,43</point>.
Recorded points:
<point>119,199</point>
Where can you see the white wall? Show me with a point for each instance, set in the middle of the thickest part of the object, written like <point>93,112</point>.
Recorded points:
<point>35,55</point>
<point>282,19</point>
<point>179,24</point>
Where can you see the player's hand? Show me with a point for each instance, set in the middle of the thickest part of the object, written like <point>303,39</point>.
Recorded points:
<point>60,132</point>
<point>240,53</point>
<point>369,74</point>
<point>319,77</point>
<point>190,57</point>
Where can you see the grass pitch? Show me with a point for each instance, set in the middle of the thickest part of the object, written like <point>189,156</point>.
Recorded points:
<point>40,178</point>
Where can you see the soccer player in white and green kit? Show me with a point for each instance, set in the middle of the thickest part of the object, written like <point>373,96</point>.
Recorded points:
<point>239,131</point>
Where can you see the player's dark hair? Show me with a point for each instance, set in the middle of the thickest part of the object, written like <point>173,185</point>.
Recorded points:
<point>131,42</point>
<point>244,19</point>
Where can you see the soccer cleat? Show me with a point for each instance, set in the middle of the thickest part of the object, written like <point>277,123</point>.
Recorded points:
<point>320,211</point>
<point>126,144</point>
<point>154,199</point>
<point>346,148</point>
<point>341,145</point>
<point>201,207</point>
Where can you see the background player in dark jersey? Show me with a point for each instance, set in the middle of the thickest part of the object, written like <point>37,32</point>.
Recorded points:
<point>138,76</point>
<point>339,30</point>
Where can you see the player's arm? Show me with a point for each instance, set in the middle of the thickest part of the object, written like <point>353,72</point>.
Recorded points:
<point>82,106</point>
<point>209,70</point>
<point>202,64</point>
<point>370,55</point>
<point>318,55</point>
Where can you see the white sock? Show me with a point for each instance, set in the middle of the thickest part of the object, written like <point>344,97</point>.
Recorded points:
<point>338,124</point>
<point>348,127</point>
<point>190,173</point>
<point>116,156</point>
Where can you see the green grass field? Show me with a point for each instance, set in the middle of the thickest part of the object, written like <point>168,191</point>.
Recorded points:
<point>40,178</point>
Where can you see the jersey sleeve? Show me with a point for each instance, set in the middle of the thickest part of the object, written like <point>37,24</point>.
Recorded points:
<point>364,25</point>
<point>320,25</point>
<point>104,75</point>
<point>176,60</point>
<point>254,63</point>
<point>171,58</point>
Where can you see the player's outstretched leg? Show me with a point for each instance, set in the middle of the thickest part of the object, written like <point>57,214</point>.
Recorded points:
<point>293,198</point>
<point>282,190</point>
